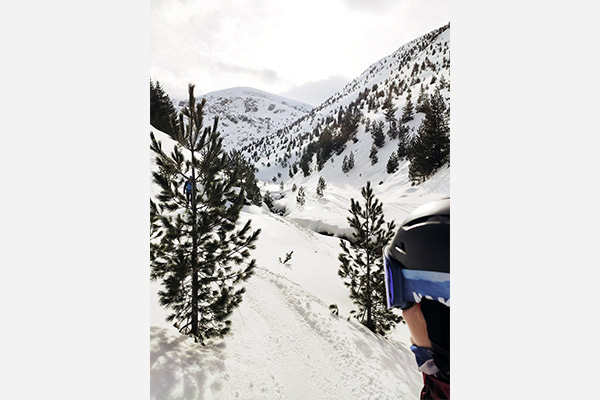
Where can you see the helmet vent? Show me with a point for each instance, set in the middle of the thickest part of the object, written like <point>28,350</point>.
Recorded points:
<point>431,219</point>
<point>400,248</point>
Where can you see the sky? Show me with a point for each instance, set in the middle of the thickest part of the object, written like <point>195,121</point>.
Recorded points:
<point>305,50</point>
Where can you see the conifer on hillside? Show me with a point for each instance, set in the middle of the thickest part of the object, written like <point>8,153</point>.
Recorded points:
<point>161,108</point>
<point>373,155</point>
<point>408,109</point>
<point>392,164</point>
<point>301,196</point>
<point>247,170</point>
<point>348,163</point>
<point>196,249</point>
<point>377,133</point>
<point>321,185</point>
<point>361,261</point>
<point>390,115</point>
<point>430,149</point>
<point>403,142</point>
<point>268,200</point>
<point>422,101</point>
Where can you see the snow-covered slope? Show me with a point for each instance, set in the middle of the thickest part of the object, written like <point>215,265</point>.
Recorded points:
<point>430,53</point>
<point>246,114</point>
<point>284,342</point>
<point>423,62</point>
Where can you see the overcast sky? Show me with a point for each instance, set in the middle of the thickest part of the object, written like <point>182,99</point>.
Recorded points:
<point>305,50</point>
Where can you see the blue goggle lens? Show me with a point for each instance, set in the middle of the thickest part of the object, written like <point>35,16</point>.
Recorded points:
<point>393,283</point>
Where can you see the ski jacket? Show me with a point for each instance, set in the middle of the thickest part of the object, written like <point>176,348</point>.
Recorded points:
<point>434,388</point>
<point>434,362</point>
<point>188,187</point>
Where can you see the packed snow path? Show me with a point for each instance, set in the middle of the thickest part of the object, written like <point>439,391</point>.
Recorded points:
<point>284,344</point>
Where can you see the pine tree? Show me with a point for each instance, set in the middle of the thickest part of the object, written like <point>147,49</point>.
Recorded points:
<point>373,155</point>
<point>422,95</point>
<point>351,161</point>
<point>443,83</point>
<point>305,163</point>
<point>390,115</point>
<point>345,168</point>
<point>301,196</point>
<point>321,186</point>
<point>268,200</point>
<point>408,109</point>
<point>403,142</point>
<point>422,101</point>
<point>348,163</point>
<point>392,164</point>
<point>430,149</point>
<point>325,148</point>
<point>377,133</point>
<point>248,181</point>
<point>361,261</point>
<point>196,250</point>
<point>161,109</point>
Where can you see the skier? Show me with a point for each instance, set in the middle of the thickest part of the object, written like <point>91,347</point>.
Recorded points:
<point>187,191</point>
<point>417,275</point>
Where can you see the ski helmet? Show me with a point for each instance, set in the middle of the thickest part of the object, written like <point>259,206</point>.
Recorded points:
<point>423,239</point>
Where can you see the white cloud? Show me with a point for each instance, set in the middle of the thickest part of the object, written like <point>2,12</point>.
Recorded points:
<point>278,46</point>
<point>316,92</point>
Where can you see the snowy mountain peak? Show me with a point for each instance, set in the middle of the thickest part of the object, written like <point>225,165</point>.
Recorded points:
<point>246,114</point>
<point>248,92</point>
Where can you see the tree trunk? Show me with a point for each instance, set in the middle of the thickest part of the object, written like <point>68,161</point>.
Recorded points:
<point>194,329</point>
<point>369,302</point>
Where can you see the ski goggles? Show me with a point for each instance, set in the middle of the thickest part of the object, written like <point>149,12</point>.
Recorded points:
<point>404,286</point>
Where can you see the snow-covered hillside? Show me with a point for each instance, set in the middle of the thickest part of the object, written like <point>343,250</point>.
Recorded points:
<point>247,114</point>
<point>422,64</point>
<point>328,213</point>
<point>284,341</point>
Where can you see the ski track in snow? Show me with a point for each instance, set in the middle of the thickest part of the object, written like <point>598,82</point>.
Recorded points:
<point>302,352</point>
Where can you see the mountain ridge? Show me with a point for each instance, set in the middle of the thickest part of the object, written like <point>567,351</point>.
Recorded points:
<point>246,113</point>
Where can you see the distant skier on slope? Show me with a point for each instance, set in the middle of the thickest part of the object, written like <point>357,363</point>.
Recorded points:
<point>187,191</point>
<point>417,277</point>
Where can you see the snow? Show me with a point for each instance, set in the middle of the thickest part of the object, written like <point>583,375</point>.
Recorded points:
<point>284,342</point>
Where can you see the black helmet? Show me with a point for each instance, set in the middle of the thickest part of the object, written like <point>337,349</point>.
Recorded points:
<point>423,239</point>
<point>417,262</point>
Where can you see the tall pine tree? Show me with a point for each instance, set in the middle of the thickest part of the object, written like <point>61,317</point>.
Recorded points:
<point>197,250</point>
<point>430,149</point>
<point>361,261</point>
